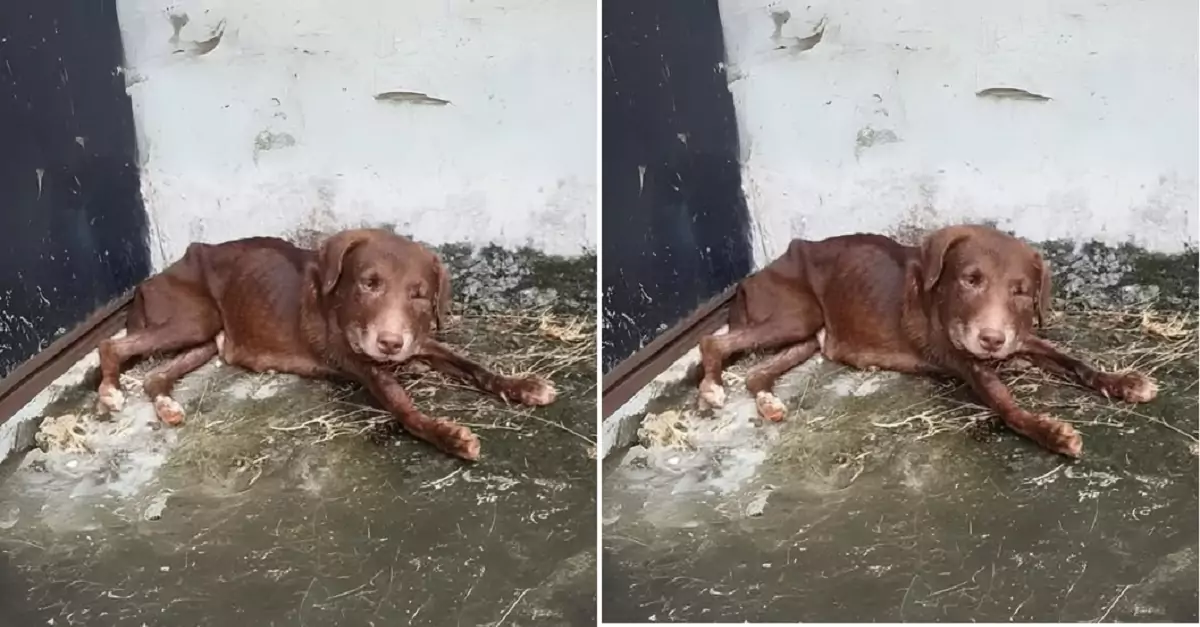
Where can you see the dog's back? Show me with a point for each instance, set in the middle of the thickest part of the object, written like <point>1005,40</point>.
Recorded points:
<point>205,271</point>
<point>865,267</point>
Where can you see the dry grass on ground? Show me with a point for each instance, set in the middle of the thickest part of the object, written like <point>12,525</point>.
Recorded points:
<point>548,345</point>
<point>1160,345</point>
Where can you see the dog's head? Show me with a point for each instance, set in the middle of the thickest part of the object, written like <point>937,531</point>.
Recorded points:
<point>987,288</point>
<point>386,293</point>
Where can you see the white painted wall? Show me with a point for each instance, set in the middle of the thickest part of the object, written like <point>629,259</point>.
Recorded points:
<point>1112,157</point>
<point>511,160</point>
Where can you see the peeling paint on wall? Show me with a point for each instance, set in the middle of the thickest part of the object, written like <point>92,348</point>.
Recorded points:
<point>192,48</point>
<point>68,185</point>
<point>672,187</point>
<point>868,137</point>
<point>410,97</point>
<point>968,111</point>
<point>276,107</point>
<point>1011,93</point>
<point>266,140</point>
<point>795,44</point>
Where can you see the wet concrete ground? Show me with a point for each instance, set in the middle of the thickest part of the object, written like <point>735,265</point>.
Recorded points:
<point>891,498</point>
<point>273,506</point>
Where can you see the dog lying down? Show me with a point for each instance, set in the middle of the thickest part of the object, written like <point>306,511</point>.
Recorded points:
<point>365,303</point>
<point>957,305</point>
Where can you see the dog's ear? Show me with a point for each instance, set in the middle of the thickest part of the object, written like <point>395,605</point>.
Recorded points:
<point>332,255</point>
<point>1044,289</point>
<point>934,249</point>
<point>441,299</point>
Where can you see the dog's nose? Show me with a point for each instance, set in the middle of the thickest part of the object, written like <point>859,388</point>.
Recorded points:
<point>390,343</point>
<point>991,340</point>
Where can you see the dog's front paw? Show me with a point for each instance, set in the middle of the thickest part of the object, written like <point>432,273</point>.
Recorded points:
<point>1058,436</point>
<point>1132,387</point>
<point>769,406</point>
<point>711,394</point>
<point>530,391</point>
<point>110,400</point>
<point>457,440</point>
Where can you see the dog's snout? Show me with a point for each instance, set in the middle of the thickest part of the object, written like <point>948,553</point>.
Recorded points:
<point>992,340</point>
<point>390,343</point>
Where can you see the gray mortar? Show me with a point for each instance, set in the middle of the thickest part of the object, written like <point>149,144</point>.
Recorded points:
<point>830,517</point>
<point>1103,276</point>
<point>243,520</point>
<point>495,279</point>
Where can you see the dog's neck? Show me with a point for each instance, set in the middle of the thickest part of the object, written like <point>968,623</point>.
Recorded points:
<point>919,318</point>
<point>320,333</point>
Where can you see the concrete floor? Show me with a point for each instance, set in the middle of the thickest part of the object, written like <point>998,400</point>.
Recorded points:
<point>254,513</point>
<point>891,498</point>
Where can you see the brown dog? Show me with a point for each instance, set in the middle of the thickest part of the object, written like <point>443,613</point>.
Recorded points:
<point>963,301</point>
<point>366,302</point>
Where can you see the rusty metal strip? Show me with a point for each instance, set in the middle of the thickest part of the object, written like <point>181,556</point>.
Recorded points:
<point>27,380</point>
<point>635,371</point>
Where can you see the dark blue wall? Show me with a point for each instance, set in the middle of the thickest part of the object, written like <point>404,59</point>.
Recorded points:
<point>675,224</point>
<point>72,223</point>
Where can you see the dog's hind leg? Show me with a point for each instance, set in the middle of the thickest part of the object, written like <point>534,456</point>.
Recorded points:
<point>760,381</point>
<point>160,381</point>
<point>115,352</point>
<point>190,321</point>
<point>716,349</point>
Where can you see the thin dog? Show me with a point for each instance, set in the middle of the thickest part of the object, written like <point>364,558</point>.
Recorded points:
<point>965,300</point>
<point>366,302</point>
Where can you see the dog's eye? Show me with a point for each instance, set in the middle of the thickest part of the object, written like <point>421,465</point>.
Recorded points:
<point>1020,289</point>
<point>371,283</point>
<point>417,292</point>
<point>973,279</point>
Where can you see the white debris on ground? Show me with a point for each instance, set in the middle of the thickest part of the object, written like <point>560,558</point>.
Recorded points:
<point>685,455</point>
<point>664,430</point>
<point>66,433</point>
<point>703,453</point>
<point>859,382</point>
<point>10,430</point>
<point>92,457</point>
<point>84,464</point>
